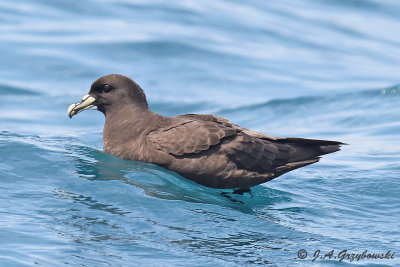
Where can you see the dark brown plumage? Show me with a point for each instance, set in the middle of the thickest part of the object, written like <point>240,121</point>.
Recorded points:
<point>207,149</point>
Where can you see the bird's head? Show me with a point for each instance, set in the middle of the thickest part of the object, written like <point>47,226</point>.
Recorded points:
<point>111,92</point>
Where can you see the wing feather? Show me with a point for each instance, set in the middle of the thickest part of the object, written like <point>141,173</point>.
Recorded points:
<point>249,150</point>
<point>190,136</point>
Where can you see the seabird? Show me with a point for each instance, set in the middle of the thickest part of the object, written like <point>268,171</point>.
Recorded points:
<point>207,149</point>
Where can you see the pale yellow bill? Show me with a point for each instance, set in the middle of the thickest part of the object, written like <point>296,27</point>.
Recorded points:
<point>86,103</point>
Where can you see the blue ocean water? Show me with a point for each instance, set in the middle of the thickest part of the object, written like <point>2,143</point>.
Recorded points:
<point>318,69</point>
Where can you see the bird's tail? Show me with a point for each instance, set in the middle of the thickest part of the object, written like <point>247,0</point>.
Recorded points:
<point>320,147</point>
<point>303,152</point>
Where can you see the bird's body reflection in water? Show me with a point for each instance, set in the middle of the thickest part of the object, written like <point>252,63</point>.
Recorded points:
<point>128,202</point>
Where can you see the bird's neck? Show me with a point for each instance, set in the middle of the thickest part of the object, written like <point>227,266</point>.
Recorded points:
<point>129,125</point>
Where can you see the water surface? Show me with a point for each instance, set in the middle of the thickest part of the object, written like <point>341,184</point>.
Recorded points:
<point>316,69</point>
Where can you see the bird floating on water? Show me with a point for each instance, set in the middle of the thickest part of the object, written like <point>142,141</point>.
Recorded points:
<point>207,149</point>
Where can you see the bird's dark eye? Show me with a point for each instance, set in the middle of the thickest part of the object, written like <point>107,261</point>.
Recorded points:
<point>106,88</point>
